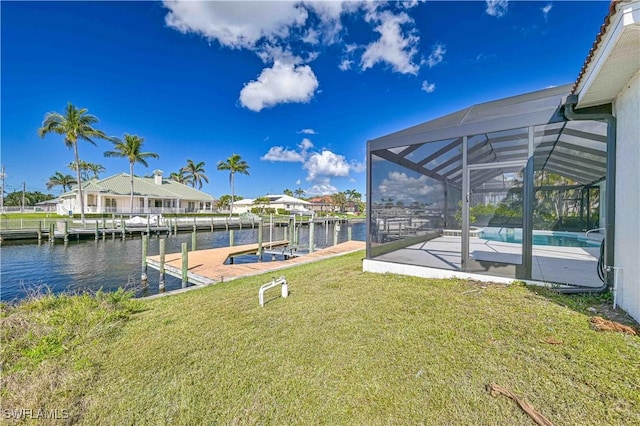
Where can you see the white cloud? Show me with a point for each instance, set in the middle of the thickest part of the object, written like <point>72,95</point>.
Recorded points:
<point>357,167</point>
<point>235,24</point>
<point>326,164</point>
<point>497,8</point>
<point>345,64</point>
<point>323,188</point>
<point>280,153</point>
<point>308,132</point>
<point>437,55</point>
<point>305,145</point>
<point>298,182</point>
<point>329,14</point>
<point>393,47</point>
<point>282,83</point>
<point>428,87</point>
<point>546,10</point>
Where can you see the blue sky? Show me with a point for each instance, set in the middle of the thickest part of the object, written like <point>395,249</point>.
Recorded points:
<point>295,88</point>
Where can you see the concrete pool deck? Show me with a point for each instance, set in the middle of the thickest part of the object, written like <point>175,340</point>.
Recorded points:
<point>551,264</point>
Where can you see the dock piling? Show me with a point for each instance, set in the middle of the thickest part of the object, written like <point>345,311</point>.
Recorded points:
<point>185,264</point>
<point>260,240</point>
<point>193,240</point>
<point>162,255</point>
<point>97,231</point>
<point>66,231</point>
<point>231,237</point>
<point>336,229</point>
<point>311,236</point>
<point>39,230</point>
<point>145,246</point>
<point>349,232</point>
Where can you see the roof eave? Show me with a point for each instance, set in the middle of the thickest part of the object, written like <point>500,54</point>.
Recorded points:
<point>610,65</point>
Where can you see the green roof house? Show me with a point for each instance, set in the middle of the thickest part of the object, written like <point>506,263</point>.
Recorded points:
<point>151,195</point>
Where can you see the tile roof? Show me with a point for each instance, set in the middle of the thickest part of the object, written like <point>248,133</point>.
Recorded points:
<point>596,43</point>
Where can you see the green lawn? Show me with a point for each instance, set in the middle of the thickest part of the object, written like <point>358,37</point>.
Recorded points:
<point>346,347</point>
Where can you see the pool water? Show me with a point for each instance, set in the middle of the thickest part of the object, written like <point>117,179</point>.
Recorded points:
<point>540,239</point>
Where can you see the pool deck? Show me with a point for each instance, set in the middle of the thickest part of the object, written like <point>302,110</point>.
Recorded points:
<point>208,266</point>
<point>551,264</point>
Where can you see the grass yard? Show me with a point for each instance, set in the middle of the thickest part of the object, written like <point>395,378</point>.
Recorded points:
<point>346,347</point>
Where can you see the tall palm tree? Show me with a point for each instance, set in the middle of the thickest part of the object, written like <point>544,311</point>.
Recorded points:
<point>75,125</point>
<point>131,149</point>
<point>299,192</point>
<point>234,164</point>
<point>58,179</point>
<point>194,173</point>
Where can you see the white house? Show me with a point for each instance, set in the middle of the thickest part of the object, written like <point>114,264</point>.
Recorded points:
<point>587,132</point>
<point>285,202</point>
<point>150,195</point>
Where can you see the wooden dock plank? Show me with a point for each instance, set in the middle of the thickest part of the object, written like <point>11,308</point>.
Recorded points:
<point>208,265</point>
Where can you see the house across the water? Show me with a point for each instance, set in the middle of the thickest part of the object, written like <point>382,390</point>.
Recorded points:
<point>277,202</point>
<point>150,195</point>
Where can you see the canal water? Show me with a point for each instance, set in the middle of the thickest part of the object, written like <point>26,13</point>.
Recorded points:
<point>89,265</point>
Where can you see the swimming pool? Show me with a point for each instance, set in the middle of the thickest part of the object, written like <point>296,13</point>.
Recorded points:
<point>540,238</point>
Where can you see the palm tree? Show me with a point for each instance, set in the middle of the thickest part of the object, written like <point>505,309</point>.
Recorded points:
<point>234,164</point>
<point>194,173</point>
<point>299,192</point>
<point>96,169</point>
<point>178,176</point>
<point>130,149</point>
<point>83,166</point>
<point>75,125</point>
<point>58,179</point>
<point>262,203</point>
<point>224,201</point>
<point>352,195</point>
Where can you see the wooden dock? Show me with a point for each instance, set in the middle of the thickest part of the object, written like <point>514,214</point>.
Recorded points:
<point>208,266</point>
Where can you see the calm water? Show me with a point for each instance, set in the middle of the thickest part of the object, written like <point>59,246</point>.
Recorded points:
<point>89,265</point>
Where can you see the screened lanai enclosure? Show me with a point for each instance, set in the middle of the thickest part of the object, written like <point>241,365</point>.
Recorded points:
<point>510,188</point>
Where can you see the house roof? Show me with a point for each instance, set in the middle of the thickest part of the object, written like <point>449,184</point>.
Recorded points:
<point>613,59</point>
<point>120,184</point>
<point>326,199</point>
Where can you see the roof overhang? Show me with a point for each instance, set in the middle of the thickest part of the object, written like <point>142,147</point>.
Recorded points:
<point>614,58</point>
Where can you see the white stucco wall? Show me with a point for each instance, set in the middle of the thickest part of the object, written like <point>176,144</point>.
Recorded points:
<point>627,236</point>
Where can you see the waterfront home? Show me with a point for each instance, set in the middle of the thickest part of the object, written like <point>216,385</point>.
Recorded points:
<point>278,202</point>
<point>569,208</point>
<point>154,195</point>
<point>326,204</point>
